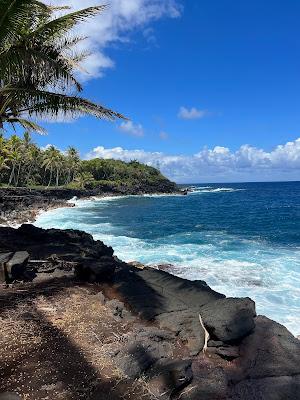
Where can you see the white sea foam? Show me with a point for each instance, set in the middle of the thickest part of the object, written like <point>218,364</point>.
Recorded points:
<point>214,190</point>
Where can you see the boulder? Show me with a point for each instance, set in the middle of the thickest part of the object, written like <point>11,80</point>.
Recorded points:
<point>268,367</point>
<point>229,319</point>
<point>4,257</point>
<point>98,270</point>
<point>15,267</point>
<point>272,349</point>
<point>70,245</point>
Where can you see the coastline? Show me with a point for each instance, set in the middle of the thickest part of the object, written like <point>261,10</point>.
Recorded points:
<point>22,205</point>
<point>181,328</point>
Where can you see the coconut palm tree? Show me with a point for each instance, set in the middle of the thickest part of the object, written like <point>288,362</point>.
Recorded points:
<point>84,179</point>
<point>38,64</point>
<point>72,163</point>
<point>3,163</point>
<point>52,162</point>
<point>14,155</point>
<point>33,161</point>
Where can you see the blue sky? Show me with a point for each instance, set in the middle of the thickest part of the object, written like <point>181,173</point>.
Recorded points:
<point>194,77</point>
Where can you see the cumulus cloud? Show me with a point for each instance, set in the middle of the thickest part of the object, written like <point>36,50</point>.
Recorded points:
<point>132,129</point>
<point>115,25</point>
<point>193,113</point>
<point>219,164</point>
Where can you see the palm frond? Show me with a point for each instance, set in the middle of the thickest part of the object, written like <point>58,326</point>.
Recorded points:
<point>30,126</point>
<point>43,65</point>
<point>42,103</point>
<point>68,43</point>
<point>16,15</point>
<point>65,23</point>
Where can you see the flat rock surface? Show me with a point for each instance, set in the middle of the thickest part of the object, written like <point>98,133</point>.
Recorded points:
<point>171,301</point>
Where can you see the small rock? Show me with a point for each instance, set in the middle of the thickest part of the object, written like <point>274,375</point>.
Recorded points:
<point>136,264</point>
<point>215,343</point>
<point>118,309</point>
<point>229,353</point>
<point>102,298</point>
<point>169,377</point>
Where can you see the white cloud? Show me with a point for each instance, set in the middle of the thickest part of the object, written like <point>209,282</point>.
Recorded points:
<point>218,164</point>
<point>193,113</point>
<point>132,129</point>
<point>115,25</point>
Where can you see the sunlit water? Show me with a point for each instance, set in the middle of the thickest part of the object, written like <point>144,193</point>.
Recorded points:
<point>242,239</point>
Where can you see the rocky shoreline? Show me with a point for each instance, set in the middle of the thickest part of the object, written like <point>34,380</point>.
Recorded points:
<point>186,340</point>
<point>22,205</point>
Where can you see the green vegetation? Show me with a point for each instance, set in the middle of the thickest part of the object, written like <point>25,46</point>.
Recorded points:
<point>23,163</point>
<point>38,64</point>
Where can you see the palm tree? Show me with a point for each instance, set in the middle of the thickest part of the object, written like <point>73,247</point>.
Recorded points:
<point>14,155</point>
<point>3,163</point>
<point>84,179</point>
<point>52,162</point>
<point>3,146</point>
<point>38,65</point>
<point>72,163</point>
<point>15,158</point>
<point>33,160</point>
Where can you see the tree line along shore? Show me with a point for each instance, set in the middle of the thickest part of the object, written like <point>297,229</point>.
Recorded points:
<point>24,164</point>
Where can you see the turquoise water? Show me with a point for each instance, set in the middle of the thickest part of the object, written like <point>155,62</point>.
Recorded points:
<point>242,239</point>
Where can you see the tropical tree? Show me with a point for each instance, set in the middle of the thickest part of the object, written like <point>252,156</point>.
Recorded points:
<point>3,164</point>
<point>52,162</point>
<point>14,156</point>
<point>72,163</point>
<point>84,179</point>
<point>38,65</point>
<point>33,162</point>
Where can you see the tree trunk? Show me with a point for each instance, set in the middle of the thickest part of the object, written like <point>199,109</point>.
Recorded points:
<point>57,176</point>
<point>18,175</point>
<point>68,180</point>
<point>12,174</point>
<point>50,177</point>
<point>28,174</point>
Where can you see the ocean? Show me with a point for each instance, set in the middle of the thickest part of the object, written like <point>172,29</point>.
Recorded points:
<point>243,239</point>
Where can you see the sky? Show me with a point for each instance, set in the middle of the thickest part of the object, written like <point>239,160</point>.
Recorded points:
<point>211,88</point>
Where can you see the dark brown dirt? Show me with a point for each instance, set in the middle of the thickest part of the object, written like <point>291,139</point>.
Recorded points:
<point>53,338</point>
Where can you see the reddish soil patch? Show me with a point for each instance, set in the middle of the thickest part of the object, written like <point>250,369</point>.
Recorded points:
<point>54,337</point>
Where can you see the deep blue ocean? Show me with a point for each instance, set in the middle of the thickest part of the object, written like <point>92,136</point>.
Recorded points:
<point>243,239</point>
